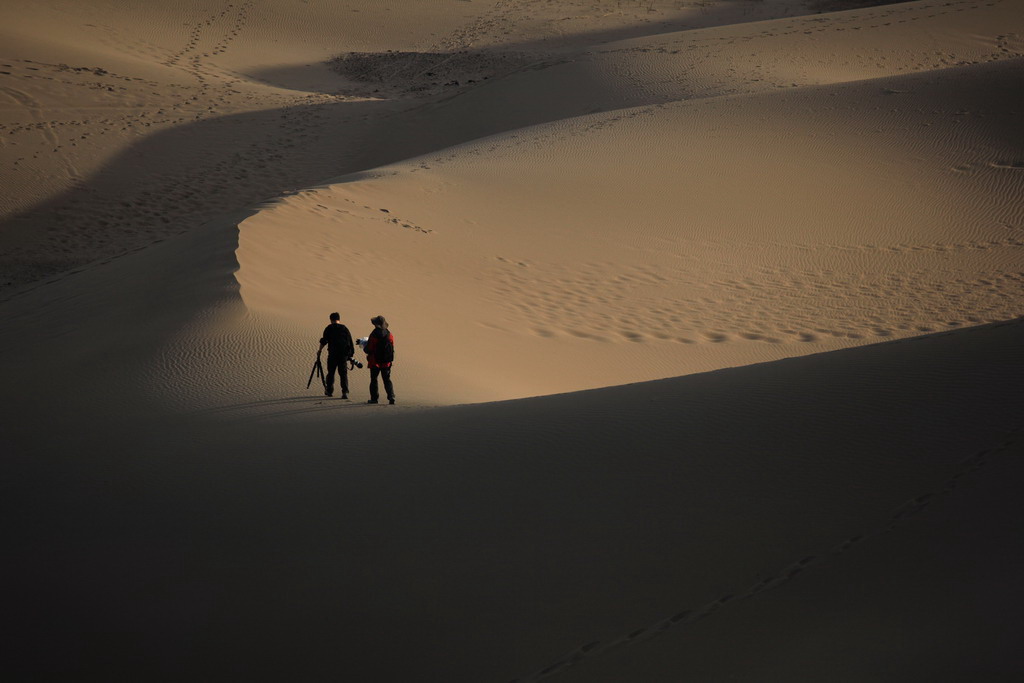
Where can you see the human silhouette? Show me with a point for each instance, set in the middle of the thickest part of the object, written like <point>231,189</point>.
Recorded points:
<point>340,349</point>
<point>380,353</point>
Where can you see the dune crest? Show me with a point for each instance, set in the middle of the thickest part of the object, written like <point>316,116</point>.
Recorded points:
<point>714,248</point>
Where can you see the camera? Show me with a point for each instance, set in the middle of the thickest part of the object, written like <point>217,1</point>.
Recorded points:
<point>361,343</point>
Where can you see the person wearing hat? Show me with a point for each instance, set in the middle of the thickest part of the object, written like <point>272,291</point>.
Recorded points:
<point>340,348</point>
<point>380,354</point>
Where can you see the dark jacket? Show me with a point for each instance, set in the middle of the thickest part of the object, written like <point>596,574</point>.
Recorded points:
<point>377,337</point>
<point>339,341</point>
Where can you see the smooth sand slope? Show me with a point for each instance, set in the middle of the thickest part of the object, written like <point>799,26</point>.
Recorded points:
<point>756,523</point>
<point>616,247</point>
<point>122,123</point>
<point>709,335</point>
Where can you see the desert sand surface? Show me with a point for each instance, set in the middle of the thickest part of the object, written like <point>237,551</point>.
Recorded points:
<point>708,320</point>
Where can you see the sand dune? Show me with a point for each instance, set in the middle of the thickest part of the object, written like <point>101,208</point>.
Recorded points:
<point>868,233</point>
<point>122,128</point>
<point>494,541</point>
<point>232,102</point>
<point>708,326</point>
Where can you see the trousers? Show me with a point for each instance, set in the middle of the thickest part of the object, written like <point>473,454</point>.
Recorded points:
<point>385,374</point>
<point>340,365</point>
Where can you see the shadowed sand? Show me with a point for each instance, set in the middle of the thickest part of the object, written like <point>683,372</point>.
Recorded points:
<point>519,532</point>
<point>708,324</point>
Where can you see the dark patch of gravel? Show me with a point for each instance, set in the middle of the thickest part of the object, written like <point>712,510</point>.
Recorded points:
<point>398,73</point>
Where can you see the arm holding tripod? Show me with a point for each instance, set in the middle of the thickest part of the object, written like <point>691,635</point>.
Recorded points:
<point>334,337</point>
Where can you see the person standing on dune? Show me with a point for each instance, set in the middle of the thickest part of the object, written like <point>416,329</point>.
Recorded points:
<point>340,349</point>
<point>380,353</point>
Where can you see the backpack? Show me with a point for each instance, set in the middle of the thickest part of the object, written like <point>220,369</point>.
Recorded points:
<point>384,351</point>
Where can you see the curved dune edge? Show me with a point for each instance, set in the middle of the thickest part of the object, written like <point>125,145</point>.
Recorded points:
<point>730,230</point>
<point>127,127</point>
<point>125,124</point>
<point>614,248</point>
<point>691,234</point>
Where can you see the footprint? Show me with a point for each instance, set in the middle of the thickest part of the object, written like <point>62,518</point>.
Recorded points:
<point>677,618</point>
<point>913,507</point>
<point>754,336</point>
<point>636,634</point>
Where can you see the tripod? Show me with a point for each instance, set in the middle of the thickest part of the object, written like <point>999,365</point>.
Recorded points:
<point>318,370</point>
